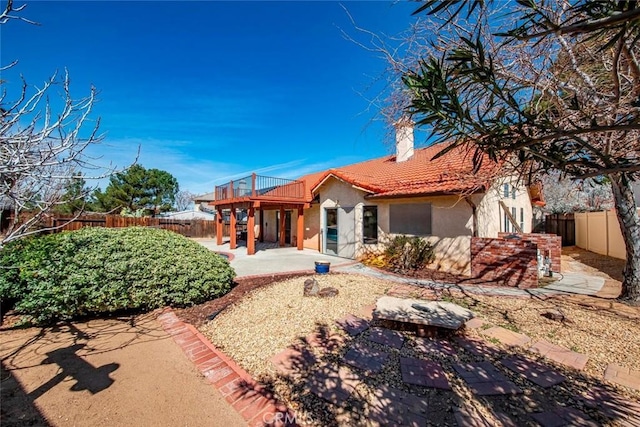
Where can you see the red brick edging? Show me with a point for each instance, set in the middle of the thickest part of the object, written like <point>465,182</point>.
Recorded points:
<point>248,397</point>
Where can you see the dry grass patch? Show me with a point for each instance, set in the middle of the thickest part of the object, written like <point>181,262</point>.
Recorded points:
<point>270,319</point>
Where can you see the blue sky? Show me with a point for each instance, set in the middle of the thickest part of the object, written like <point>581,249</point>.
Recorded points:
<point>213,90</point>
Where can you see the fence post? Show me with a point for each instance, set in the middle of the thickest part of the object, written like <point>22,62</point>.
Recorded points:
<point>253,184</point>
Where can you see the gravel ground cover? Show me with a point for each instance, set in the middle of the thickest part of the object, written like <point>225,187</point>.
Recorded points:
<point>268,319</point>
<point>604,335</point>
<point>271,319</point>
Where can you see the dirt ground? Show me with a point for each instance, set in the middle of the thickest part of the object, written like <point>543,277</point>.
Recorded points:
<point>106,372</point>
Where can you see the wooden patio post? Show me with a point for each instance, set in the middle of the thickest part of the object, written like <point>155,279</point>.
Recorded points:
<point>232,229</point>
<point>219,219</point>
<point>251,239</point>
<point>300,234</point>
<point>282,223</point>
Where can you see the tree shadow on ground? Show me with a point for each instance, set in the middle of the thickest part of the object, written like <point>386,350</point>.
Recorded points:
<point>613,267</point>
<point>66,347</point>
<point>18,408</point>
<point>322,386</point>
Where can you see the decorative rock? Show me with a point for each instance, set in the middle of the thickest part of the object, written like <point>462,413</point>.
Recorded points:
<point>556,315</point>
<point>327,292</point>
<point>311,287</point>
<point>432,313</point>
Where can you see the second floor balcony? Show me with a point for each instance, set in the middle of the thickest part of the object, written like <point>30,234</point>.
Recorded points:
<point>256,187</point>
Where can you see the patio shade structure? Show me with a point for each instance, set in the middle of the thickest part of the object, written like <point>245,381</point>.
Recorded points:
<point>262,193</point>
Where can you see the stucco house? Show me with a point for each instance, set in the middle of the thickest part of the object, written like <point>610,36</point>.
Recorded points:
<point>349,210</point>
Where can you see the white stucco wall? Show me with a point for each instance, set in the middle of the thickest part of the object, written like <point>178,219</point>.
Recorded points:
<point>335,193</point>
<point>490,213</point>
<point>451,222</point>
<point>451,219</point>
<point>451,228</point>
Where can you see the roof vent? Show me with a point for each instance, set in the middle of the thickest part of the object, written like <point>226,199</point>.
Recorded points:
<point>404,139</point>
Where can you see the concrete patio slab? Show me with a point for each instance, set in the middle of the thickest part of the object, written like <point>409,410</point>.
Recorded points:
<point>273,259</point>
<point>577,283</point>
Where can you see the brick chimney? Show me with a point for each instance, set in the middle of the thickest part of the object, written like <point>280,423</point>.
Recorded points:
<point>404,139</point>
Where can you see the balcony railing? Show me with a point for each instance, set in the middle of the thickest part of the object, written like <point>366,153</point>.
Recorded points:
<point>261,187</point>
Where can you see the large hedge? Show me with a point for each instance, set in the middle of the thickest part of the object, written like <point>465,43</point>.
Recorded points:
<point>101,270</point>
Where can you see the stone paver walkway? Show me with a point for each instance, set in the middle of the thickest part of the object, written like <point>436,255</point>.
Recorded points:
<point>293,360</point>
<point>424,373</point>
<point>562,417</point>
<point>434,347</point>
<point>332,383</point>
<point>485,380</point>
<point>487,375</point>
<point>477,347</point>
<point>533,371</point>
<point>560,355</point>
<point>623,376</point>
<point>393,407</point>
<point>576,283</point>
<point>353,325</point>
<point>506,336</point>
<point>387,337</point>
<point>366,358</point>
<point>325,340</point>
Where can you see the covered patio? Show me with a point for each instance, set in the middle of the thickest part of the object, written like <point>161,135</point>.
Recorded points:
<point>257,193</point>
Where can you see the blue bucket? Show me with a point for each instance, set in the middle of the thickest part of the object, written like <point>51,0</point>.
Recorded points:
<point>322,267</point>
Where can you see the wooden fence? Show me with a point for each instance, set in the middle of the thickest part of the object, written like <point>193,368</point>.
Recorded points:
<point>188,228</point>
<point>563,225</point>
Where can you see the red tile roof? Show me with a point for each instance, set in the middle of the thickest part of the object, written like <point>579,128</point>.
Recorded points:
<point>420,175</point>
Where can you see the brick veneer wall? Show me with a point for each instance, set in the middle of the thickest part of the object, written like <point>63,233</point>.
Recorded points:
<point>509,262</point>
<point>551,243</point>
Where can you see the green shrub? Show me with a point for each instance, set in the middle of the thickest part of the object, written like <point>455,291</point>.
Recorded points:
<point>101,270</point>
<point>409,253</point>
